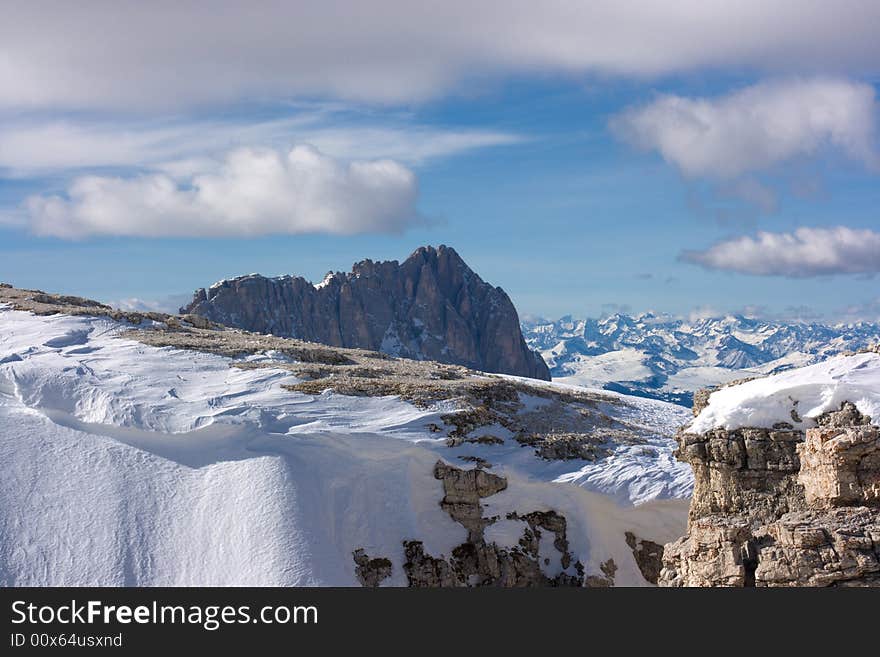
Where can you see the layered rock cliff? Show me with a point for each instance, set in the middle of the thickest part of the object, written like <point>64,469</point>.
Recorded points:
<point>785,506</point>
<point>430,307</point>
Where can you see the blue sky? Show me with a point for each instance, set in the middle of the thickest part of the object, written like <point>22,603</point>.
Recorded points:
<point>582,179</point>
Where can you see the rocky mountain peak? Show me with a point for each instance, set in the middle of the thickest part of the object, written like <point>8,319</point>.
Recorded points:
<point>432,306</point>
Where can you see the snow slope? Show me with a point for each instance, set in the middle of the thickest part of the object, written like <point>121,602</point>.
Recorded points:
<point>126,464</point>
<point>796,396</point>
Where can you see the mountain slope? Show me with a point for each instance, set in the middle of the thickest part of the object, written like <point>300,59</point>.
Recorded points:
<point>131,463</point>
<point>430,307</point>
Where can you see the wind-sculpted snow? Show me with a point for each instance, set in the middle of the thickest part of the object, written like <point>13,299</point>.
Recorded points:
<point>796,397</point>
<point>127,464</point>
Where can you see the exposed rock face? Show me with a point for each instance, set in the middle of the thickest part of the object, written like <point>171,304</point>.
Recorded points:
<point>780,507</point>
<point>606,579</point>
<point>648,556</point>
<point>430,307</point>
<point>370,572</point>
<point>838,547</point>
<point>479,562</point>
<point>463,490</point>
<point>745,470</point>
<point>835,547</point>
<point>841,466</point>
<point>424,571</point>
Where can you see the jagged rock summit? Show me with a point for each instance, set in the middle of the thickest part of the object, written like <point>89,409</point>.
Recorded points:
<point>430,307</point>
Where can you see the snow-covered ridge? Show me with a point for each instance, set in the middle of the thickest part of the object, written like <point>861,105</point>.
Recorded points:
<point>797,396</point>
<point>131,464</point>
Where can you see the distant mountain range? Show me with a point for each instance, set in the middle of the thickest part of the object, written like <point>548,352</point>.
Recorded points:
<point>668,358</point>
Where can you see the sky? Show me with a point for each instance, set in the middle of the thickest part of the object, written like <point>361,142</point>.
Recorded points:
<point>701,158</point>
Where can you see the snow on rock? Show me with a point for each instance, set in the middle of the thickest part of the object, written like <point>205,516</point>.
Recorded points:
<point>126,464</point>
<point>796,396</point>
<point>632,474</point>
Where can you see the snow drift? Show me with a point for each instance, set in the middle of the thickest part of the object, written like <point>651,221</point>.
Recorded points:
<point>796,397</point>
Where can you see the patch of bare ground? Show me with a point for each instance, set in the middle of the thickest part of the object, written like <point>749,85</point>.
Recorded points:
<point>235,344</point>
<point>556,423</point>
<point>44,303</point>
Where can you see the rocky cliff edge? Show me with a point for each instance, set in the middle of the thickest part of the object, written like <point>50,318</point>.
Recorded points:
<point>785,505</point>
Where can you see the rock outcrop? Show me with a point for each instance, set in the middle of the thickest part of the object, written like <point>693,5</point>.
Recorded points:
<point>430,307</point>
<point>370,572</point>
<point>478,562</point>
<point>648,556</point>
<point>750,470</point>
<point>482,562</point>
<point>840,462</point>
<point>782,507</point>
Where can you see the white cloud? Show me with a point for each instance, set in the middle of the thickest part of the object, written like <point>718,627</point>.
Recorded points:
<point>703,312</point>
<point>860,312</point>
<point>756,128</point>
<point>181,147</point>
<point>253,192</point>
<point>165,304</point>
<point>143,56</point>
<point>803,253</point>
<point>414,145</point>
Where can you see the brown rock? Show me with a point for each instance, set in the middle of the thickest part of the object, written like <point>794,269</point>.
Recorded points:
<point>841,466</point>
<point>648,556</point>
<point>772,507</point>
<point>477,562</point>
<point>752,470</point>
<point>463,490</point>
<point>606,580</point>
<point>370,572</point>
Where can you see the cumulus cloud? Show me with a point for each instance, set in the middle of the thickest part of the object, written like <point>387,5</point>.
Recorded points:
<point>756,128</point>
<point>130,54</point>
<point>253,192</point>
<point>803,253</point>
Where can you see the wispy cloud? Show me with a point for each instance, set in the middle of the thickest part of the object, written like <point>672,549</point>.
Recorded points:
<point>34,146</point>
<point>253,192</point>
<point>804,253</point>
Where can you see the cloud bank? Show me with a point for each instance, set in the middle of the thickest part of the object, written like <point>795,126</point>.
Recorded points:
<point>166,304</point>
<point>143,56</point>
<point>804,253</point>
<point>756,128</point>
<point>253,192</point>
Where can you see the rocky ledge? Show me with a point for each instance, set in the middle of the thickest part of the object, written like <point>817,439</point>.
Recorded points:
<point>781,506</point>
